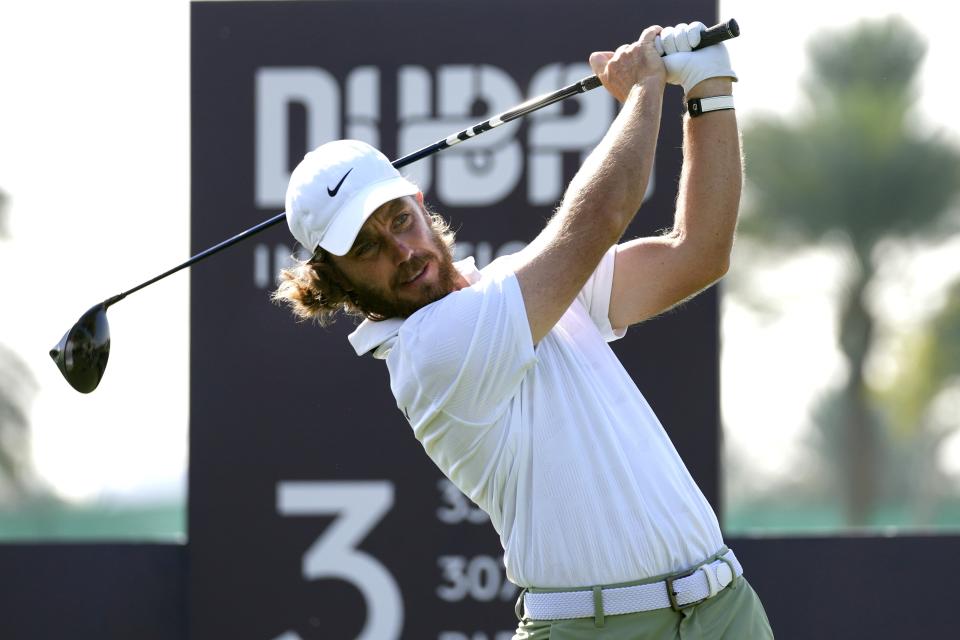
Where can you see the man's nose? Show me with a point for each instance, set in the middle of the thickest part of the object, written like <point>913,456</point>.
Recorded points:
<point>400,250</point>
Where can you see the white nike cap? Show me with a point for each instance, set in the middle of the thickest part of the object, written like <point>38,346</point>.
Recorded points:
<point>334,190</point>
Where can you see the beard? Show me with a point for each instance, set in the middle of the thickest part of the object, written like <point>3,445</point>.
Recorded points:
<point>378,304</point>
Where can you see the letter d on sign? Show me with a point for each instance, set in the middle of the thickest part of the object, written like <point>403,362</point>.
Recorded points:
<point>276,89</point>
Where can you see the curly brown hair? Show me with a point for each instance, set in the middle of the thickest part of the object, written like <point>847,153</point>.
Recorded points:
<point>313,289</point>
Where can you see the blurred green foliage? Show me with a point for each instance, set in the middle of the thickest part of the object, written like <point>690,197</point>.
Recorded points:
<point>856,165</point>
<point>931,360</point>
<point>17,388</point>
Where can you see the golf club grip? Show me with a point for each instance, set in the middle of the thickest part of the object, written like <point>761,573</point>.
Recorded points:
<point>712,35</point>
<point>718,33</point>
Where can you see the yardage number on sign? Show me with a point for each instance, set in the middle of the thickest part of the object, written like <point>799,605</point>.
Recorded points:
<point>358,507</point>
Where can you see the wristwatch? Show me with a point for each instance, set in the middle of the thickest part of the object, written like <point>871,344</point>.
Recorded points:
<point>699,106</point>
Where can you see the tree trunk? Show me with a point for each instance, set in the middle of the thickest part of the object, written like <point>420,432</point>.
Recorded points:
<point>860,437</point>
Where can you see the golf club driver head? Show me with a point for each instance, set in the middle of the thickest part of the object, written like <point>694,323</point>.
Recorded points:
<point>81,355</point>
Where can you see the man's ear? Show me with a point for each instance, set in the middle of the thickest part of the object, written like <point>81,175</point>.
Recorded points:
<point>420,197</point>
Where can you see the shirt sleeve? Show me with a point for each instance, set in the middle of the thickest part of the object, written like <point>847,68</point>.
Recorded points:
<point>462,359</point>
<point>595,296</point>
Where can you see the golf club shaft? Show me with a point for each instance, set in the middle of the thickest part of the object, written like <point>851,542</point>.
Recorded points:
<point>713,35</point>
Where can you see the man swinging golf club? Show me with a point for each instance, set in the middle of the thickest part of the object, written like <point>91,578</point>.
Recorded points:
<point>505,375</point>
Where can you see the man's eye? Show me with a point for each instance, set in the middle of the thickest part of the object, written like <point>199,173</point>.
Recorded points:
<point>401,219</point>
<point>364,249</point>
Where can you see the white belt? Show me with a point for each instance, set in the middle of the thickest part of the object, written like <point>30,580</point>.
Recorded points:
<point>676,592</point>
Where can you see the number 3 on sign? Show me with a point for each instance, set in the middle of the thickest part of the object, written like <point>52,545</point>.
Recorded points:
<point>359,505</point>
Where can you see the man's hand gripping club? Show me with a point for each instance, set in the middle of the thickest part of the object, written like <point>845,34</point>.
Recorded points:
<point>689,68</point>
<point>684,66</point>
<point>630,65</point>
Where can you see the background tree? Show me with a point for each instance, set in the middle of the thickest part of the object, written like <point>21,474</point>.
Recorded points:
<point>854,164</point>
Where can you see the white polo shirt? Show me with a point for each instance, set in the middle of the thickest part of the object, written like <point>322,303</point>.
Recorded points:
<point>554,441</point>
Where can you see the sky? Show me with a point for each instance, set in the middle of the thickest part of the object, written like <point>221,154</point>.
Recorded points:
<point>94,154</point>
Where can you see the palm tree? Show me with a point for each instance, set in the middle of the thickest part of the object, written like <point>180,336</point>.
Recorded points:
<point>855,165</point>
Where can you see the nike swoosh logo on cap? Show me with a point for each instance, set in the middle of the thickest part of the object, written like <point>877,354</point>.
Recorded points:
<point>334,191</point>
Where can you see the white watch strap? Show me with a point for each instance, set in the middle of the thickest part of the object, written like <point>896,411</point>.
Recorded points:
<point>700,106</point>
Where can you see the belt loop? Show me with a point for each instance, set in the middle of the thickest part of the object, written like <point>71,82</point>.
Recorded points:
<point>733,571</point>
<point>598,607</point>
<point>518,608</point>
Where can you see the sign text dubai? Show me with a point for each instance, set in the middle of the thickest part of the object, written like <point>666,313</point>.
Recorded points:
<point>481,172</point>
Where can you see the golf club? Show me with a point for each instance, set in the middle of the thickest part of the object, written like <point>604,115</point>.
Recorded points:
<point>82,353</point>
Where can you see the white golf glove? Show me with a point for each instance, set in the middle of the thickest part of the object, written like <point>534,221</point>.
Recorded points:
<point>686,67</point>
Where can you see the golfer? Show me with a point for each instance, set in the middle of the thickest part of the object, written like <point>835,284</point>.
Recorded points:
<point>505,374</point>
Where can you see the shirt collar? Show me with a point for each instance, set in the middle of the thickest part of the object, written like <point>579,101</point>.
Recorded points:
<point>380,336</point>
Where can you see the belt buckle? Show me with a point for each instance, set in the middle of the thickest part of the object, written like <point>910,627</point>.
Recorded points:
<point>672,595</point>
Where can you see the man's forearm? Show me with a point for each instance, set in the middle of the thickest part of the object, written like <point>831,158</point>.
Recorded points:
<point>711,180</point>
<point>605,193</point>
<point>609,187</point>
